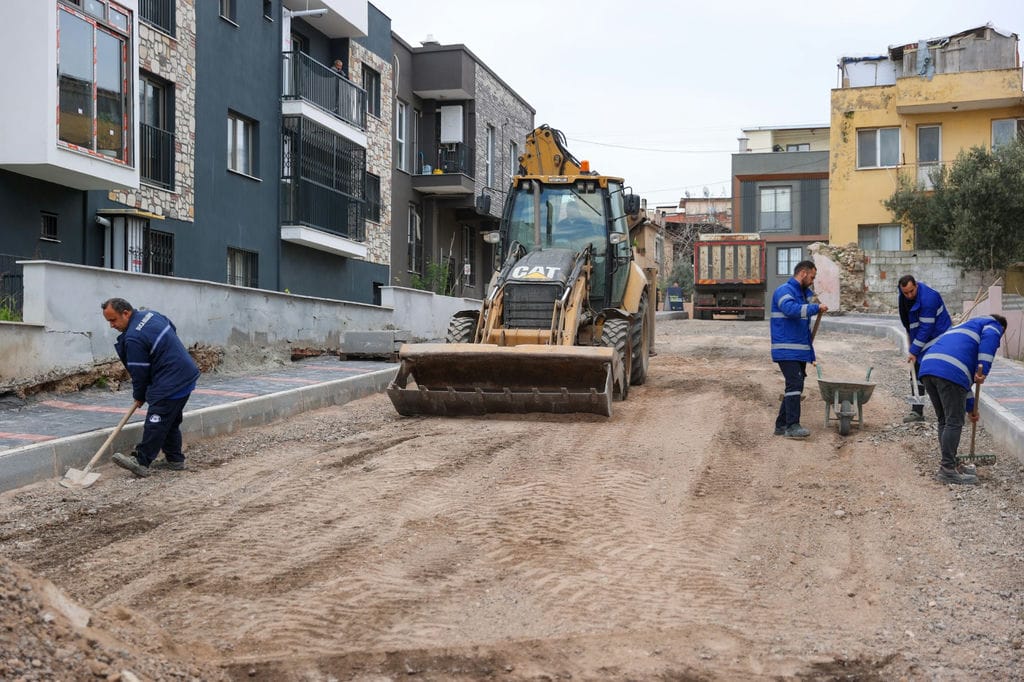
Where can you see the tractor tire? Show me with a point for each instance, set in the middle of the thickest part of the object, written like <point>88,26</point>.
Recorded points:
<point>615,334</point>
<point>641,334</point>
<point>460,330</point>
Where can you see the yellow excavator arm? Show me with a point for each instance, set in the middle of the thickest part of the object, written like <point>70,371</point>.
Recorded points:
<point>546,154</point>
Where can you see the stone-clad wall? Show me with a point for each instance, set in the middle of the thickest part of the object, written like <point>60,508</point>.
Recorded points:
<point>378,149</point>
<point>174,60</point>
<point>512,119</point>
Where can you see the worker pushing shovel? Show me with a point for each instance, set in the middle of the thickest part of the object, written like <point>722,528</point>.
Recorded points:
<point>163,375</point>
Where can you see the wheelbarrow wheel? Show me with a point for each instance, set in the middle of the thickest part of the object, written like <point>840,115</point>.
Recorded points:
<point>845,418</point>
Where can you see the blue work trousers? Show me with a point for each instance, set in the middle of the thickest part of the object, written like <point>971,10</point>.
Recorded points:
<point>794,372</point>
<point>162,431</point>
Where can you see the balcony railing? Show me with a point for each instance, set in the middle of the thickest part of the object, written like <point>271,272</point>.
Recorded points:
<point>159,13</point>
<point>10,286</point>
<point>322,179</point>
<point>156,152</point>
<point>455,158</point>
<point>307,79</point>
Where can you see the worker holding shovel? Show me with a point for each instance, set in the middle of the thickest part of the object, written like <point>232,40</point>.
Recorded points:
<point>925,318</point>
<point>163,375</point>
<point>961,355</point>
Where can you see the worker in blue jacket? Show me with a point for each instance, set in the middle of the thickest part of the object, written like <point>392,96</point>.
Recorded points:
<point>792,312</point>
<point>961,355</point>
<point>163,375</point>
<point>925,318</point>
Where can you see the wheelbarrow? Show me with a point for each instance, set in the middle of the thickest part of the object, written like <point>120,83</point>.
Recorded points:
<point>844,401</point>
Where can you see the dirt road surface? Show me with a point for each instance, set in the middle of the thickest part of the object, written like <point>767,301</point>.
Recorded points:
<point>677,540</point>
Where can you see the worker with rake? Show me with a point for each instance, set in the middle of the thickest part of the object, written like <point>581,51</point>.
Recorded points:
<point>925,318</point>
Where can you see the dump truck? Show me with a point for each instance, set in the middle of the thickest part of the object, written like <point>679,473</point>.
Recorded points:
<point>729,276</point>
<point>567,323</point>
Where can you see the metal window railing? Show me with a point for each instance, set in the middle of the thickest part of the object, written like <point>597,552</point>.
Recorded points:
<point>11,291</point>
<point>156,149</point>
<point>159,13</point>
<point>307,79</point>
<point>322,180</point>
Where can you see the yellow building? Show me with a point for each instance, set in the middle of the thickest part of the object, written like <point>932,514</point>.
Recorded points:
<point>909,111</point>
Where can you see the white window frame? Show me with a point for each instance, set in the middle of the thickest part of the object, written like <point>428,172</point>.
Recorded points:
<point>786,258</point>
<point>925,166</point>
<point>241,130</point>
<point>414,237</point>
<point>771,199</point>
<point>491,137</point>
<point>401,135</point>
<point>799,147</point>
<point>1003,130</point>
<point>513,159</point>
<point>877,161</point>
<point>892,237</point>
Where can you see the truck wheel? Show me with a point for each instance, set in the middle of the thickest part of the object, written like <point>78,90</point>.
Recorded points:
<point>460,330</point>
<point>641,345</point>
<point>615,334</point>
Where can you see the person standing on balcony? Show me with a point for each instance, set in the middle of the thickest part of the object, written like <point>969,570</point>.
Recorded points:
<point>924,316</point>
<point>339,66</point>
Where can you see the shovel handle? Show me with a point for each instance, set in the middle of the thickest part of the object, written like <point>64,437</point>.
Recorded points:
<point>817,321</point>
<point>110,438</point>
<point>977,401</point>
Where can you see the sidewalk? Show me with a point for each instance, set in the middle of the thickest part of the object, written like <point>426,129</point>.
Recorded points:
<point>1002,394</point>
<point>41,439</point>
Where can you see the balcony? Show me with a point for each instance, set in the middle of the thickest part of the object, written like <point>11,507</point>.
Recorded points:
<point>451,173</point>
<point>962,91</point>
<point>344,18</point>
<point>322,189</point>
<point>317,92</point>
<point>156,156</point>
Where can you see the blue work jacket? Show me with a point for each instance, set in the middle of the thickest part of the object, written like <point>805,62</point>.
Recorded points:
<point>792,311</point>
<point>155,357</point>
<point>955,355</point>
<point>927,319</point>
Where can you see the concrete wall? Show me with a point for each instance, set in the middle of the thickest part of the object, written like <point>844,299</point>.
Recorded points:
<point>883,269</point>
<point>64,330</point>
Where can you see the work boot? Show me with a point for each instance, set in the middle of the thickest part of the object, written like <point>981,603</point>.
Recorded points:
<point>796,431</point>
<point>169,464</point>
<point>967,469</point>
<point>131,463</point>
<point>953,476</point>
<point>913,417</point>
<point>780,430</point>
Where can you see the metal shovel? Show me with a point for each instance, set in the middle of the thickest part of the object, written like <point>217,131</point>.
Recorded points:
<point>917,398</point>
<point>980,460</point>
<point>83,478</point>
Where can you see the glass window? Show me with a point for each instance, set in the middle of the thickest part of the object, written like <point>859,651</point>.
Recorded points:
<point>776,211</point>
<point>878,237</point>
<point>1005,131</point>
<point>241,144</point>
<point>468,256</point>
<point>513,159</point>
<point>243,268</point>
<point>929,144</point>
<point>401,131</point>
<point>372,197</point>
<point>786,258</point>
<point>48,226</point>
<point>800,147</point>
<point>415,238</point>
<point>490,155</point>
<point>92,86</point>
<point>878,147</point>
<point>157,13</point>
<point>371,83</point>
<point>227,9</point>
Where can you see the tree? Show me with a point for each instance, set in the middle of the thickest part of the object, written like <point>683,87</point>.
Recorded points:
<point>975,211</point>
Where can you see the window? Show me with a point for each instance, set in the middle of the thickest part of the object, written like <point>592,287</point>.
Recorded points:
<point>787,257</point>
<point>776,214</point>
<point>93,59</point>
<point>1007,130</point>
<point>490,155</point>
<point>372,197</point>
<point>159,252</point>
<point>243,268</point>
<point>800,147</point>
<point>878,148</point>
<point>241,144</point>
<point>878,237</point>
<point>929,143</point>
<point>156,136</point>
<point>371,83</point>
<point>513,159</point>
<point>468,256</point>
<point>159,14</point>
<point>227,9</point>
<point>268,9</point>
<point>415,237</point>
<point>401,132</point>
<point>48,226</point>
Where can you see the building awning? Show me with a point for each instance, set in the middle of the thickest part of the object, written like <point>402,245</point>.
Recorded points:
<point>135,212</point>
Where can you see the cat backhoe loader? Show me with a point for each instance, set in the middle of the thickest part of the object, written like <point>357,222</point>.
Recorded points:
<point>567,322</point>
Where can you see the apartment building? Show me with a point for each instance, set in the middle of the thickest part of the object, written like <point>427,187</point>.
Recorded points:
<point>780,181</point>
<point>909,111</point>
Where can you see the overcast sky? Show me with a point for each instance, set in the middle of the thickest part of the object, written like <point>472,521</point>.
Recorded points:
<point>658,92</point>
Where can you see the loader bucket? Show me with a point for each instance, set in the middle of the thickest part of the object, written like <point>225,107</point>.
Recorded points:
<point>474,378</point>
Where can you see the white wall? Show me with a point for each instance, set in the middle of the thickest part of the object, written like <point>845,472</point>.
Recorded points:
<point>64,330</point>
